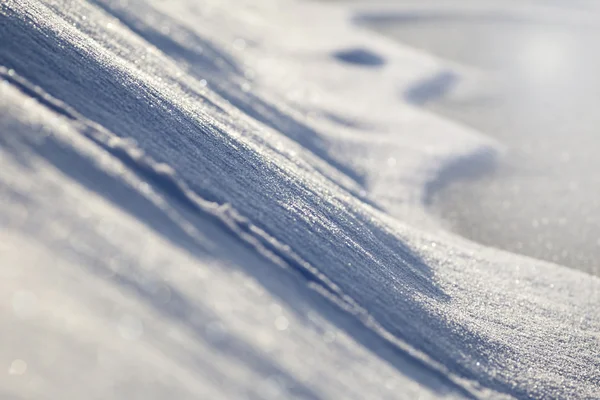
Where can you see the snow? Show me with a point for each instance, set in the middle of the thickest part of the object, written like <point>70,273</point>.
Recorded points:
<point>228,199</point>
<point>540,198</point>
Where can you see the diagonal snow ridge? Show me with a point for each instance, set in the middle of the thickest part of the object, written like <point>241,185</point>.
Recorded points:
<point>128,156</point>
<point>163,179</point>
<point>456,319</point>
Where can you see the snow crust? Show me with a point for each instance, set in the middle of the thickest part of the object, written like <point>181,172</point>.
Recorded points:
<point>202,199</point>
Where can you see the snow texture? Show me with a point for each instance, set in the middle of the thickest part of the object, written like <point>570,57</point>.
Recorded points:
<point>227,199</point>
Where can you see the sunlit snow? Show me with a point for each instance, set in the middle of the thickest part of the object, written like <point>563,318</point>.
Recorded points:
<point>228,199</point>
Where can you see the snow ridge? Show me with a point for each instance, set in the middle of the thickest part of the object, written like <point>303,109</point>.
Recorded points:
<point>163,179</point>
<point>461,313</point>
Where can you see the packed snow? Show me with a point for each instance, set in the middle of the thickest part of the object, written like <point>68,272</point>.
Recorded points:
<point>228,199</point>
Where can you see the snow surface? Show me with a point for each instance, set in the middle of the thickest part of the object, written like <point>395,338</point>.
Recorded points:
<point>540,198</point>
<point>227,199</point>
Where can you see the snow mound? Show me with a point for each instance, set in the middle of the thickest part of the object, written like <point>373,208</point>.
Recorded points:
<point>201,200</point>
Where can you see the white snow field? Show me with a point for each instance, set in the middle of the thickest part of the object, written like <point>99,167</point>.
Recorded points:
<point>207,199</point>
<point>541,198</point>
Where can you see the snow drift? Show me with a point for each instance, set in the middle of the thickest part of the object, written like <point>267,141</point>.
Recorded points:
<point>205,200</point>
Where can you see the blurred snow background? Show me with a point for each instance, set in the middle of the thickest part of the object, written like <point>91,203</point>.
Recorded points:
<point>543,196</point>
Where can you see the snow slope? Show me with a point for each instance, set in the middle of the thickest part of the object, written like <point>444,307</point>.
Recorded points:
<point>226,199</point>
